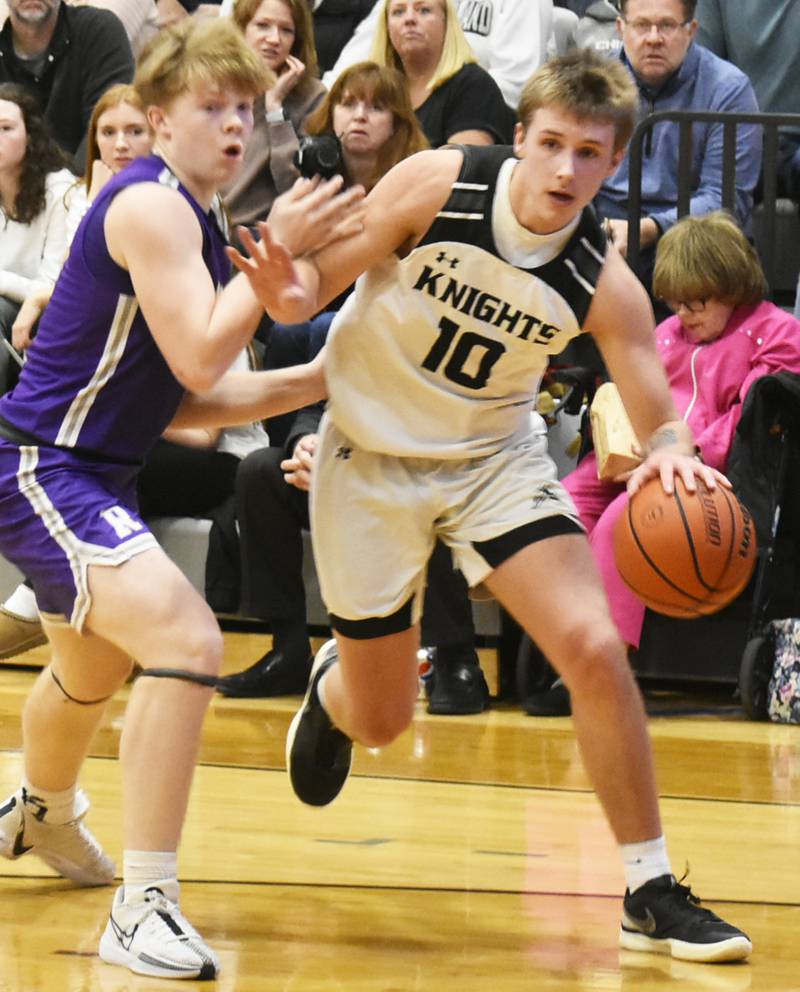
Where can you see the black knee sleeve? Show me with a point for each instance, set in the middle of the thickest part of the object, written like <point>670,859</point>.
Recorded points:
<point>72,699</point>
<point>181,674</point>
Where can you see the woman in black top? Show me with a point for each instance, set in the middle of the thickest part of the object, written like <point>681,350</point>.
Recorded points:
<point>456,101</point>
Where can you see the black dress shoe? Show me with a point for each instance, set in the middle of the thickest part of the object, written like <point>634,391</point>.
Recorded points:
<point>273,675</point>
<point>554,701</point>
<point>459,686</point>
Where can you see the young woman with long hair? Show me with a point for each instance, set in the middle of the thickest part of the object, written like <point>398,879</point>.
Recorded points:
<point>34,206</point>
<point>281,33</point>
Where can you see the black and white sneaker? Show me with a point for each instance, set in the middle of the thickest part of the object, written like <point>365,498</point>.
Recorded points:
<point>666,917</point>
<point>149,935</point>
<point>70,848</point>
<point>318,756</point>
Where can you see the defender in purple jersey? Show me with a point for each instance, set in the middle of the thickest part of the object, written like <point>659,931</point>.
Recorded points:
<point>141,329</point>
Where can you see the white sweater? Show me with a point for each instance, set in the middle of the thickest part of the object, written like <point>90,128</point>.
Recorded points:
<point>31,255</point>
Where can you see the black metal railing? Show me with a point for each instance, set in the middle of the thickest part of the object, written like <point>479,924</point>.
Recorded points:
<point>770,123</point>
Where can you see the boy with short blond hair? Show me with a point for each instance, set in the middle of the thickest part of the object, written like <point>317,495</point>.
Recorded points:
<point>142,317</point>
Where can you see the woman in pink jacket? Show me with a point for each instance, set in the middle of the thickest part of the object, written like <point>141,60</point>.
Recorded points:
<point>723,336</point>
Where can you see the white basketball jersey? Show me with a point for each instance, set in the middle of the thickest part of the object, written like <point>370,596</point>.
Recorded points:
<point>440,354</point>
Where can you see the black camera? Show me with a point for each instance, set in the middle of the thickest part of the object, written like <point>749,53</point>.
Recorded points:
<point>319,155</point>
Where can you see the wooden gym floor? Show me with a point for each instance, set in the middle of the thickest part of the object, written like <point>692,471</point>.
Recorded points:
<point>469,855</point>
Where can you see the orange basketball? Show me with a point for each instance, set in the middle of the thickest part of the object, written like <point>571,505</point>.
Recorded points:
<point>688,554</point>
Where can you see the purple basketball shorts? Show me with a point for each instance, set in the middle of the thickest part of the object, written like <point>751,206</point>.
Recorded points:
<point>60,513</point>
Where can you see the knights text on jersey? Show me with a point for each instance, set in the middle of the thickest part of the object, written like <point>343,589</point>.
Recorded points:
<point>440,354</point>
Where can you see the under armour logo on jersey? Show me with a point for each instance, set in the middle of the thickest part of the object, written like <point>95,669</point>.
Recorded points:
<point>545,493</point>
<point>123,523</point>
<point>343,452</point>
<point>452,262</point>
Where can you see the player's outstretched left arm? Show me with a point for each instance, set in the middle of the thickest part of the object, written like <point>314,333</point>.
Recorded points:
<point>273,276</point>
<point>243,397</point>
<point>621,321</point>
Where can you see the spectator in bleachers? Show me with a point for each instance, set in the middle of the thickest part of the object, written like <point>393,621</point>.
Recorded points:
<point>271,516</point>
<point>762,38</point>
<point>67,57</point>
<point>455,100</point>
<point>673,72</point>
<point>723,336</point>
<point>118,133</point>
<point>35,187</point>
<point>508,37</point>
<point>139,17</point>
<point>282,34</point>
<point>369,109</point>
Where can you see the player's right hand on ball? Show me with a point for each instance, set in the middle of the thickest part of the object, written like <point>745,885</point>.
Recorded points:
<point>666,464</point>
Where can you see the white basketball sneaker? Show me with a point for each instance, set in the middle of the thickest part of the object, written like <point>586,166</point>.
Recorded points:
<point>150,935</point>
<point>70,848</point>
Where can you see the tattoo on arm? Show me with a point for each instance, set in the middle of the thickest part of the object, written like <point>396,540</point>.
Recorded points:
<point>674,434</point>
<point>662,437</point>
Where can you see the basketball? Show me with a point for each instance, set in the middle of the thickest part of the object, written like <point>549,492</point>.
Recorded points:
<point>688,554</point>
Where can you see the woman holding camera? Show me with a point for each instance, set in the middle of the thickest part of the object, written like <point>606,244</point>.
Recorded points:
<point>281,32</point>
<point>369,112</point>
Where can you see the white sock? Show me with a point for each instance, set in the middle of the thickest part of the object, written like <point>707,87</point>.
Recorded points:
<point>59,807</point>
<point>143,869</point>
<point>22,601</point>
<point>644,861</point>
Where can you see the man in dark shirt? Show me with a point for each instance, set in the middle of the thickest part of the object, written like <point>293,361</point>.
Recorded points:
<point>68,57</point>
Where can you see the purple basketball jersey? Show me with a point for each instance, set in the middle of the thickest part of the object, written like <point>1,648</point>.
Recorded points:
<point>95,379</point>
<point>94,395</point>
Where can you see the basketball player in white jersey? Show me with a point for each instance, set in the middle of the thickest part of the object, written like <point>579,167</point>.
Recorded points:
<point>480,265</point>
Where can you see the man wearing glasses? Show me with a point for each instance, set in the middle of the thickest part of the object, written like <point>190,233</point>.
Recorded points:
<point>673,72</point>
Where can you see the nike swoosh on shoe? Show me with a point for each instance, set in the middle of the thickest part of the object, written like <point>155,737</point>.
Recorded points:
<point>19,846</point>
<point>647,925</point>
<point>124,936</point>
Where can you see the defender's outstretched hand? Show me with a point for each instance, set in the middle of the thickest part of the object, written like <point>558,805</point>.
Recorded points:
<point>270,270</point>
<point>313,213</point>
